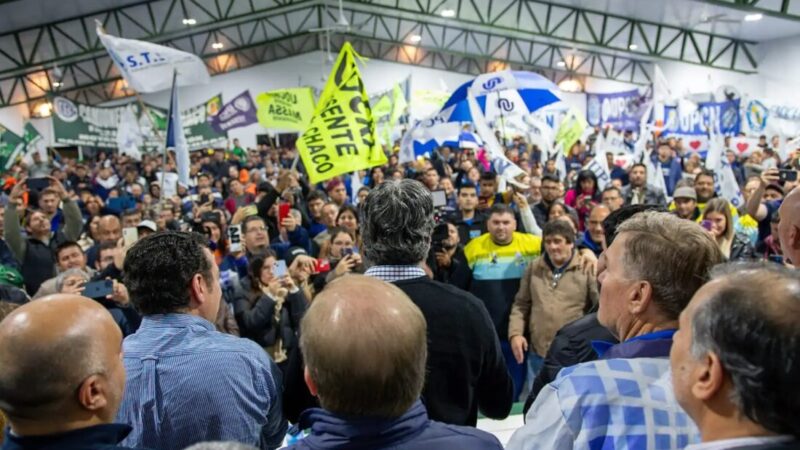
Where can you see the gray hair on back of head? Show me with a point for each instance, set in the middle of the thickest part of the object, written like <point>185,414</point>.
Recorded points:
<point>397,223</point>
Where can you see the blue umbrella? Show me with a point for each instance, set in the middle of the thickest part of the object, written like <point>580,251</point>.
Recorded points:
<point>501,94</point>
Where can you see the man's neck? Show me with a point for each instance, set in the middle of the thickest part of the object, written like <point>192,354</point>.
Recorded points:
<point>640,328</point>
<point>637,188</point>
<point>39,427</point>
<point>719,420</point>
<point>467,215</point>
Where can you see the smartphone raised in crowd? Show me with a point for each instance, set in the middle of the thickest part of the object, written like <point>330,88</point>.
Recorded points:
<point>37,184</point>
<point>283,211</point>
<point>279,268</point>
<point>235,238</point>
<point>130,235</point>
<point>439,198</point>
<point>98,289</point>
<point>787,175</point>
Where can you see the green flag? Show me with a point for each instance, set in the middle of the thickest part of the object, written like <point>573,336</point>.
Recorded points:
<point>570,130</point>
<point>10,145</point>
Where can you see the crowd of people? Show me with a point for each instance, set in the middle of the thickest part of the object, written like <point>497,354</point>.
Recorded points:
<point>391,307</point>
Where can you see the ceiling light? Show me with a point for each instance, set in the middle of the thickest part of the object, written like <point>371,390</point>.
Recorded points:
<point>449,12</point>
<point>753,17</point>
<point>633,47</point>
<point>561,64</point>
<point>414,38</point>
<point>217,45</point>
<point>44,109</point>
<point>57,84</point>
<point>189,21</point>
<point>570,85</point>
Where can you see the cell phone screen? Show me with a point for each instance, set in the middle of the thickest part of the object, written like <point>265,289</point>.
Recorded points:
<point>439,198</point>
<point>279,269</point>
<point>98,289</point>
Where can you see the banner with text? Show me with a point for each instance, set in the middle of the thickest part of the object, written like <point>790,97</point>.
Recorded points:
<point>286,109</point>
<point>96,126</point>
<point>621,110</point>
<point>239,112</point>
<point>341,137</point>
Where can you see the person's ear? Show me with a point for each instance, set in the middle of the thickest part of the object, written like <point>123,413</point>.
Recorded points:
<point>708,377</point>
<point>640,297</point>
<point>312,387</point>
<point>198,289</point>
<point>92,393</point>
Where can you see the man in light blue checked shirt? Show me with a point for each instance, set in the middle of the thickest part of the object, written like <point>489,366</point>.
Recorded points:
<point>624,400</point>
<point>188,383</point>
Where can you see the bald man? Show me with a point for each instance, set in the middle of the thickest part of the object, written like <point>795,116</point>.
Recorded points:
<point>594,238</point>
<point>109,229</point>
<point>789,227</point>
<point>61,375</point>
<point>375,370</point>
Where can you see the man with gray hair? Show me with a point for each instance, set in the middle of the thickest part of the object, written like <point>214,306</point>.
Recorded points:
<point>465,371</point>
<point>369,378</point>
<point>736,358</point>
<point>623,400</point>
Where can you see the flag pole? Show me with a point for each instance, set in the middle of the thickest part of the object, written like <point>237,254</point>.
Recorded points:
<point>164,157</point>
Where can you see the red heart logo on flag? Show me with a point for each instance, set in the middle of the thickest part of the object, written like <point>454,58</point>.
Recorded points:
<point>695,144</point>
<point>742,146</point>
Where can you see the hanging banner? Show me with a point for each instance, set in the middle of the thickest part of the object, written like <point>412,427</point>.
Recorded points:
<point>10,146</point>
<point>761,116</point>
<point>239,112</point>
<point>718,117</point>
<point>96,126</point>
<point>692,125</point>
<point>286,109</point>
<point>341,137</point>
<point>621,110</point>
<point>425,102</point>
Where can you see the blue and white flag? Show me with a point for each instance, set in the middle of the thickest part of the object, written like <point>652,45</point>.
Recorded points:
<point>724,180</point>
<point>176,140</point>
<point>148,67</point>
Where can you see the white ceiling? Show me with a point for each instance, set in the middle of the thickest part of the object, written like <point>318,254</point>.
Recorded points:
<point>689,13</point>
<point>19,14</point>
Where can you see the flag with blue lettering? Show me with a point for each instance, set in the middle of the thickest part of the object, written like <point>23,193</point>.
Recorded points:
<point>176,140</point>
<point>148,67</point>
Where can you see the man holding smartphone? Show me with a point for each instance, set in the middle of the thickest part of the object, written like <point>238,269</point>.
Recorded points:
<point>36,253</point>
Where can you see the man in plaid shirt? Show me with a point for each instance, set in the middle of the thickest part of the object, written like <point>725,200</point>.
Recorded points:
<point>624,400</point>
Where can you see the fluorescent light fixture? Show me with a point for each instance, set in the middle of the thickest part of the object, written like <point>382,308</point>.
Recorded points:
<point>57,84</point>
<point>449,12</point>
<point>633,47</point>
<point>217,45</point>
<point>561,64</point>
<point>189,21</point>
<point>753,17</point>
<point>415,38</point>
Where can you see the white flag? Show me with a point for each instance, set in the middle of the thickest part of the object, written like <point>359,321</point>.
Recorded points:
<point>176,139</point>
<point>504,167</point>
<point>148,67</point>
<point>129,137</point>
<point>724,180</point>
<point>599,163</point>
<point>640,155</point>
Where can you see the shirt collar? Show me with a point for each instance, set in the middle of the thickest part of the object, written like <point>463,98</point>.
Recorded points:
<point>110,433</point>
<point>740,442</point>
<point>390,274</point>
<point>643,345</point>
<point>175,320</point>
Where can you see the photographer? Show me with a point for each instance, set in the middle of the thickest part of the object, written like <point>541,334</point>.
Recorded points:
<point>446,258</point>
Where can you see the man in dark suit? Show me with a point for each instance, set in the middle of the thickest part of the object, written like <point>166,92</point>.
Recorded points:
<point>466,372</point>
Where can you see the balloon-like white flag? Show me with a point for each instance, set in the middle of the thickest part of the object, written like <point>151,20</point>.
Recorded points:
<point>148,67</point>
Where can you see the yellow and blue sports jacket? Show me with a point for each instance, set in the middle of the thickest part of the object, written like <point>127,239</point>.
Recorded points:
<point>496,271</point>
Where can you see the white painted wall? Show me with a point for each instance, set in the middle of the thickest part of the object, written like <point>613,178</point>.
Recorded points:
<point>779,65</point>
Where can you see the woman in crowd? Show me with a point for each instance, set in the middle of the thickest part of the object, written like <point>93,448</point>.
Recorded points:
<point>271,308</point>
<point>348,219</point>
<point>718,221</point>
<point>584,195</point>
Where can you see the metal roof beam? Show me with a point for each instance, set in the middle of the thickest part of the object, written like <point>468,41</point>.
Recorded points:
<point>781,9</point>
<point>582,26</point>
